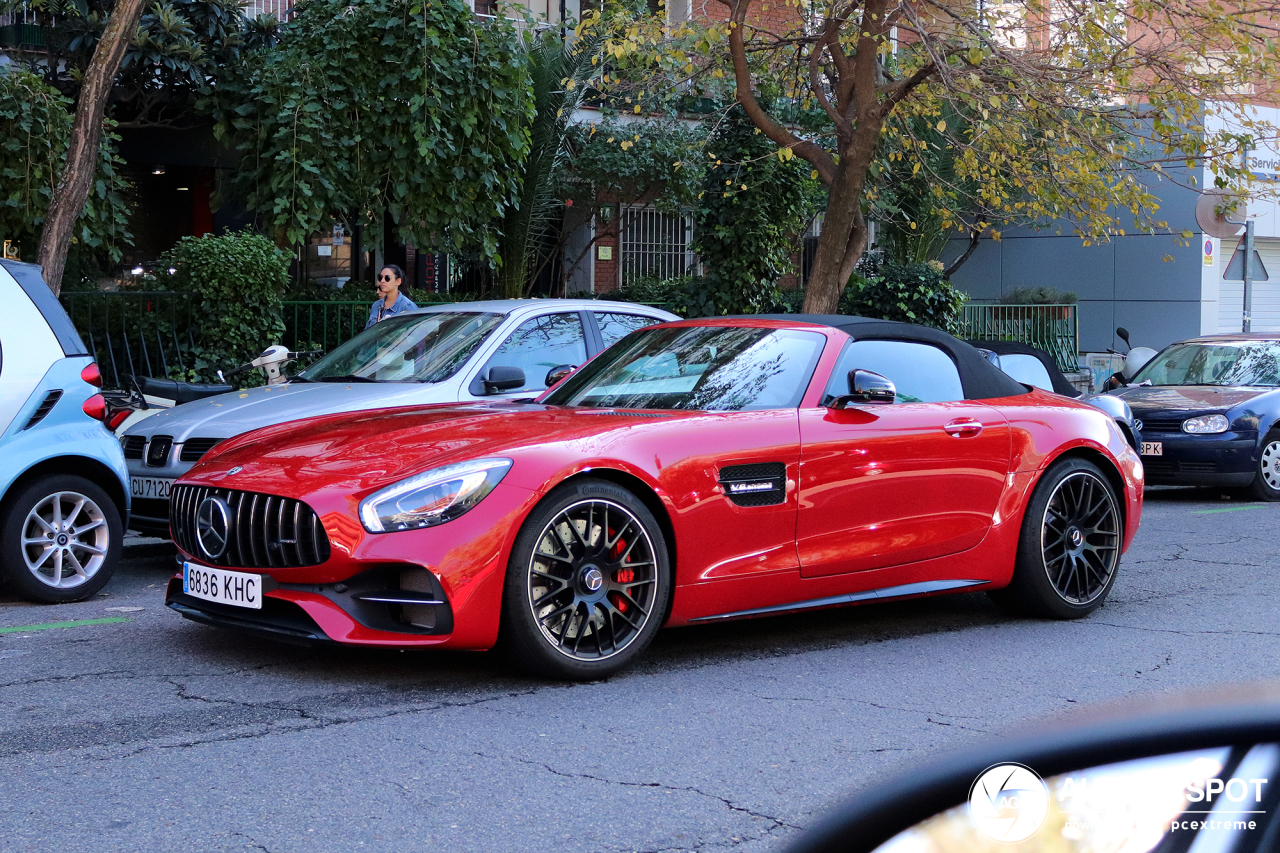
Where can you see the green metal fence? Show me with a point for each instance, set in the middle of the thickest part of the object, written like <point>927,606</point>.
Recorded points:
<point>153,333</point>
<point>323,325</point>
<point>1053,328</point>
<point>138,333</point>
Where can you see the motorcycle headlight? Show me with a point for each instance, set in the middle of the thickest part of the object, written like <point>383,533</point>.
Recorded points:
<point>437,496</point>
<point>1206,424</point>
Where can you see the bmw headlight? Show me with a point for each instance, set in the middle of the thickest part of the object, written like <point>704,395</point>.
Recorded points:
<point>1206,424</point>
<point>437,496</point>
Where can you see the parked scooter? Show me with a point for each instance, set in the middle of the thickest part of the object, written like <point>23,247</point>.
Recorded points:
<point>150,395</point>
<point>1134,360</point>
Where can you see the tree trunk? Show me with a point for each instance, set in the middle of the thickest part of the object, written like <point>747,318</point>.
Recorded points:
<point>82,153</point>
<point>844,229</point>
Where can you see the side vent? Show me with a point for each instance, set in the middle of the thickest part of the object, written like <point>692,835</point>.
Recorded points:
<point>762,484</point>
<point>45,407</point>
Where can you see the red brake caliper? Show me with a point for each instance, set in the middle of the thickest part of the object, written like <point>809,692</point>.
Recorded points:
<point>621,575</point>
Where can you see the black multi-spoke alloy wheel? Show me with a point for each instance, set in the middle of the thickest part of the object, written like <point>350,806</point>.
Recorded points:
<point>587,584</point>
<point>1069,548</point>
<point>1266,479</point>
<point>60,539</point>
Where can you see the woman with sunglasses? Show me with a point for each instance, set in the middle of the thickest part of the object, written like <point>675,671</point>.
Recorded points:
<point>390,300</point>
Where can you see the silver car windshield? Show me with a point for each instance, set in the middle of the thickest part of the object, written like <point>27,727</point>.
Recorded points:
<point>410,348</point>
<point>1238,363</point>
<point>708,368</point>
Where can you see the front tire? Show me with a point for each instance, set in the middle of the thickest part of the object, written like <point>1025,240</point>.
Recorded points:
<point>1069,547</point>
<point>1266,480</point>
<point>61,539</point>
<point>587,584</point>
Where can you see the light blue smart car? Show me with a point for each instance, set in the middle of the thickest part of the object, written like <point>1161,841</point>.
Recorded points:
<point>64,495</point>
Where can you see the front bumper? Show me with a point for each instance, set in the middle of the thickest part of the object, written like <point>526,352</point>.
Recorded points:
<point>376,608</point>
<point>1225,459</point>
<point>465,559</point>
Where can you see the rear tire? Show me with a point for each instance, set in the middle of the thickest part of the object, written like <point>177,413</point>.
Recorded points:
<point>1266,479</point>
<point>587,584</point>
<point>60,539</point>
<point>1069,547</point>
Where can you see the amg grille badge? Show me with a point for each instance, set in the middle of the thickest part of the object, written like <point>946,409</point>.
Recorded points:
<point>739,488</point>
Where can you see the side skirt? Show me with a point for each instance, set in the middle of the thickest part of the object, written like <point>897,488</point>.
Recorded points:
<point>922,588</point>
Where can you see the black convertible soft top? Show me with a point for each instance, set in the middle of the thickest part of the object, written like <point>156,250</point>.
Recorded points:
<point>1060,383</point>
<point>980,379</point>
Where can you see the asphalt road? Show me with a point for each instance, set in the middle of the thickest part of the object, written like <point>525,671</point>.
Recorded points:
<point>155,733</point>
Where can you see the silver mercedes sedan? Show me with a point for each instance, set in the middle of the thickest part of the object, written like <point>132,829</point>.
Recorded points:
<point>492,350</point>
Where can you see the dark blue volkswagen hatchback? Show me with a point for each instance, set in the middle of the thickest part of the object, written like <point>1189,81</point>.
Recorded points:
<point>1209,409</point>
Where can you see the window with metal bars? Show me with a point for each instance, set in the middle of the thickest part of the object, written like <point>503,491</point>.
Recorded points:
<point>655,245</point>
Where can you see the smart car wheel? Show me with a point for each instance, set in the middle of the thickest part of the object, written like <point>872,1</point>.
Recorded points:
<point>1069,549</point>
<point>587,584</point>
<point>61,539</point>
<point>1266,481</point>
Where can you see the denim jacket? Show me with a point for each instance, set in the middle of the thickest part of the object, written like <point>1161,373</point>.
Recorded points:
<point>378,312</point>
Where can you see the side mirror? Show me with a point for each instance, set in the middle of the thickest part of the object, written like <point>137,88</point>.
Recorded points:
<point>503,378</point>
<point>867,387</point>
<point>560,371</point>
<point>1129,779</point>
<point>1123,334</point>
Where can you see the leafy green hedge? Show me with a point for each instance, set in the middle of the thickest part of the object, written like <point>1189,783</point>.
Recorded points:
<point>238,279</point>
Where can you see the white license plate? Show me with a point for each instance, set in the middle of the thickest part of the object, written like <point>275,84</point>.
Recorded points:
<point>150,487</point>
<point>1153,448</point>
<point>239,589</point>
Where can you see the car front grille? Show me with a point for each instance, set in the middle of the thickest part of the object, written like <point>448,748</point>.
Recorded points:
<point>194,448</point>
<point>1155,466</point>
<point>134,445</point>
<point>265,531</point>
<point>1150,425</point>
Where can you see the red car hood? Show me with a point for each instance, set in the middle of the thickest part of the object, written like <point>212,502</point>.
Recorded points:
<point>365,450</point>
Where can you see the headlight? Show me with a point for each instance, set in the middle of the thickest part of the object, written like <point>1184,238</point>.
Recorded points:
<point>1206,424</point>
<point>439,495</point>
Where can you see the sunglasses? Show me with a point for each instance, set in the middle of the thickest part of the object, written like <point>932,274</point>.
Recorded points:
<point>386,278</point>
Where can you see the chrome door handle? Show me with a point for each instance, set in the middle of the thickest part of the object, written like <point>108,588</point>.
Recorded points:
<point>963,428</point>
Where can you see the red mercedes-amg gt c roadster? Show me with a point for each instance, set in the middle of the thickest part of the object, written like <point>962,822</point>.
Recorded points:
<point>694,471</point>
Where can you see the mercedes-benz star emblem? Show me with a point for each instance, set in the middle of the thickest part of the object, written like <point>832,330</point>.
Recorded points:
<point>593,579</point>
<point>213,521</point>
<point>235,470</point>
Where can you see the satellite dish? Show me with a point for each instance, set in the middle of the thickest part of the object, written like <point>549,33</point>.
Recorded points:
<point>1215,224</point>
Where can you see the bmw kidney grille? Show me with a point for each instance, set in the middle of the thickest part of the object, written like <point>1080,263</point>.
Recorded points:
<point>225,527</point>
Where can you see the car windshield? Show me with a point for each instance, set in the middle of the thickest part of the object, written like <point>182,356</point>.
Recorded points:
<point>1219,363</point>
<point>707,368</point>
<point>426,347</point>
